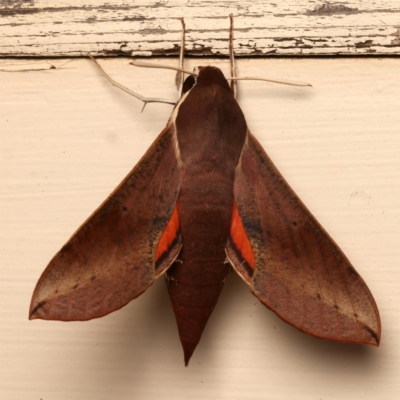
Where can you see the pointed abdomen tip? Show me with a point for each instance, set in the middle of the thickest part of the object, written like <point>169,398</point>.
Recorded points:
<point>188,350</point>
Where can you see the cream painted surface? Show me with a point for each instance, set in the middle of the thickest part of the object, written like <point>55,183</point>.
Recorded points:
<point>152,27</point>
<point>68,138</point>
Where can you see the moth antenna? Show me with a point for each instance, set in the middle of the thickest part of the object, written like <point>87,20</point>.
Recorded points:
<point>180,75</point>
<point>129,91</point>
<point>162,66</point>
<point>237,78</point>
<point>282,82</point>
<point>232,58</point>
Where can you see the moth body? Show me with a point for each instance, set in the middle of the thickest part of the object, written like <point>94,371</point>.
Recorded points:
<point>210,142</point>
<point>204,192</point>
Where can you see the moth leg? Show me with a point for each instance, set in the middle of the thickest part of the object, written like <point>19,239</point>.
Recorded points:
<point>180,75</point>
<point>232,57</point>
<point>125,89</point>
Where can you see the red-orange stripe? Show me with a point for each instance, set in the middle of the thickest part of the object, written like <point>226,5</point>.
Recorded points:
<point>169,233</point>
<point>240,239</point>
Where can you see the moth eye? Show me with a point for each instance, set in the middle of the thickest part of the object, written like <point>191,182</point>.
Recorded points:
<point>188,84</point>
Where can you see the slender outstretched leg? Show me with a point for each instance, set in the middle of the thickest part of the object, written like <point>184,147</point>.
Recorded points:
<point>180,75</point>
<point>232,57</point>
<point>127,90</point>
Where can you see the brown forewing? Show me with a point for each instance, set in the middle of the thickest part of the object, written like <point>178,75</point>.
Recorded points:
<point>300,273</point>
<point>110,260</point>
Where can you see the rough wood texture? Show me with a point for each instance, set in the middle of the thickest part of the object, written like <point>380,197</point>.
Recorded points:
<point>151,28</point>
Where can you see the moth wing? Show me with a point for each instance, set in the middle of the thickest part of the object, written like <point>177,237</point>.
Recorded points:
<point>297,270</point>
<point>111,258</point>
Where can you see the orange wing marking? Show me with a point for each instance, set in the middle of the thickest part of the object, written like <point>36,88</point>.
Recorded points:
<point>240,239</point>
<point>169,234</point>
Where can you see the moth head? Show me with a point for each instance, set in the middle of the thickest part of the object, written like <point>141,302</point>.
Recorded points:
<point>189,82</point>
<point>205,76</point>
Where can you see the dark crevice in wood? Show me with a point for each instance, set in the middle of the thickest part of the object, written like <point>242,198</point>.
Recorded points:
<point>331,9</point>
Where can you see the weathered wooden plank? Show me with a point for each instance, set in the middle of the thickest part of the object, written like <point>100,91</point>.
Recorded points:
<point>152,28</point>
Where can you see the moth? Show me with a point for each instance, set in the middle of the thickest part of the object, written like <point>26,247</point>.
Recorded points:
<point>204,198</point>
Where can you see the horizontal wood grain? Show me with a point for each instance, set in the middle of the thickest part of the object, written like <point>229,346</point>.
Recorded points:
<point>152,28</point>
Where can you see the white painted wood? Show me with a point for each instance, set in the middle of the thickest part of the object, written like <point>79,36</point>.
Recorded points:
<point>68,138</point>
<point>150,28</point>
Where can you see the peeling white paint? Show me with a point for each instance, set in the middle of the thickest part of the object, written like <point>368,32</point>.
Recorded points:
<point>148,28</point>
